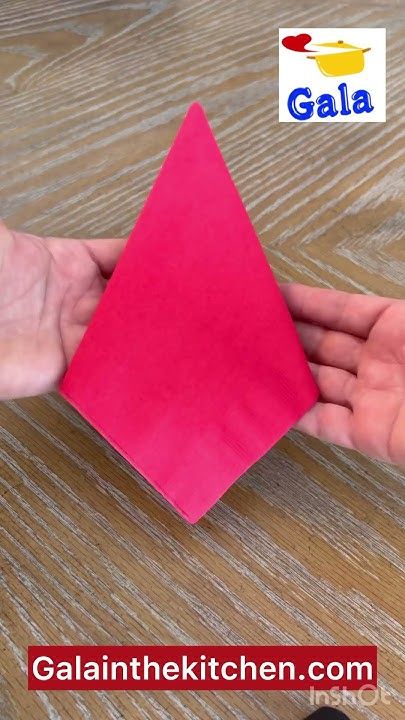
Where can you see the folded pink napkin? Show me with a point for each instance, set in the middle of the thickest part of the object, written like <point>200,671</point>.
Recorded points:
<point>191,367</point>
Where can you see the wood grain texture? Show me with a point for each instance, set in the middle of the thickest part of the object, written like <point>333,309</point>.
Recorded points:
<point>308,546</point>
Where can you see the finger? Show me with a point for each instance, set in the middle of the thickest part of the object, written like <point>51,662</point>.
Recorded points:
<point>6,239</point>
<point>328,347</point>
<point>335,385</point>
<point>347,312</point>
<point>329,422</point>
<point>3,228</point>
<point>105,253</point>
<point>85,308</point>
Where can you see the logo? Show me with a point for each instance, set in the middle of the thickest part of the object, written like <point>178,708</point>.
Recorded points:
<point>332,75</point>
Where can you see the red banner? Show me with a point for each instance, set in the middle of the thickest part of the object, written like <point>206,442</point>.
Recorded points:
<point>58,667</point>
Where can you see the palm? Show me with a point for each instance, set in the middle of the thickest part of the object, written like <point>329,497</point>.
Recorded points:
<point>49,291</point>
<point>356,345</point>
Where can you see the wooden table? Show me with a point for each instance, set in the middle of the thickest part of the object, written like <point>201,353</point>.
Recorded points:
<point>306,548</point>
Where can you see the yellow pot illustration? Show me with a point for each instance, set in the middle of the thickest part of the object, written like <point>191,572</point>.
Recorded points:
<point>348,60</point>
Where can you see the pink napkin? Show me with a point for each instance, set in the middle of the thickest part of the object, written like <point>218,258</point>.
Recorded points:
<point>191,367</point>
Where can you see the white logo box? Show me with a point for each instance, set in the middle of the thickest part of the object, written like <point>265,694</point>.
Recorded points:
<point>306,94</point>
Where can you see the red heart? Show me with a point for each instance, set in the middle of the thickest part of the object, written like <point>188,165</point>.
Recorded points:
<point>297,42</point>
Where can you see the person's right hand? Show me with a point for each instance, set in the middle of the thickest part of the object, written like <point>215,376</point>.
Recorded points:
<point>356,346</point>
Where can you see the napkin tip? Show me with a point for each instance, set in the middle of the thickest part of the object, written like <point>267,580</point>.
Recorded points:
<point>196,109</point>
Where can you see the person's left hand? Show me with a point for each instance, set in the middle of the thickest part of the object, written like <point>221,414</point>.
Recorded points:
<point>49,289</point>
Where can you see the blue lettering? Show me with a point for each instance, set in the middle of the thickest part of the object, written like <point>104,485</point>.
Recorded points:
<point>344,99</point>
<point>326,106</point>
<point>362,102</point>
<point>305,109</point>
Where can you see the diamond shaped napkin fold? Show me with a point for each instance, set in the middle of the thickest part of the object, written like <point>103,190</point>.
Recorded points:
<point>191,366</point>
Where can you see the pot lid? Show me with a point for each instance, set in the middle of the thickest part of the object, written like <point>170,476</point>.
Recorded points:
<point>339,44</point>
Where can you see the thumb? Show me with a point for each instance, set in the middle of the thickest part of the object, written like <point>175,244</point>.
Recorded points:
<point>105,253</point>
